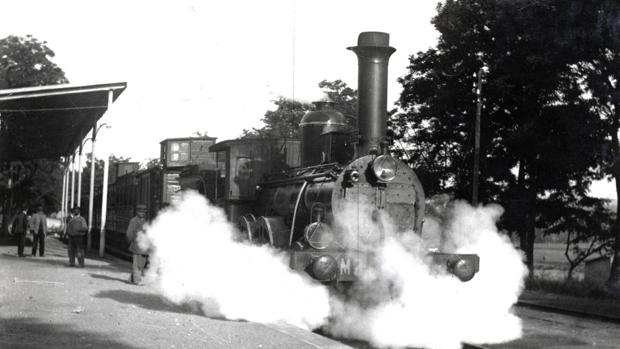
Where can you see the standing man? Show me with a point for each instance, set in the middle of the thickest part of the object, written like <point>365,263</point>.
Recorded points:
<point>76,229</point>
<point>140,255</point>
<point>38,222</point>
<point>19,228</point>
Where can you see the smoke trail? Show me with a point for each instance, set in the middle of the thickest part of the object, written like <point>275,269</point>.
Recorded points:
<point>195,259</point>
<point>402,300</point>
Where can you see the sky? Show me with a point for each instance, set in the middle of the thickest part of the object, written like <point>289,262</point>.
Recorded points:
<point>213,66</point>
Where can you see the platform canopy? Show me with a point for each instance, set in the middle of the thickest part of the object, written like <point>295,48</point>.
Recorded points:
<point>51,121</point>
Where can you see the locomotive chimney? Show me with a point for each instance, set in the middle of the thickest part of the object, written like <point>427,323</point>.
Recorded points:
<point>373,52</point>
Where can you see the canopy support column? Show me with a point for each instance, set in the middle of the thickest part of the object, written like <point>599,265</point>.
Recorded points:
<point>104,190</point>
<point>62,202</point>
<point>104,205</point>
<point>72,166</point>
<point>92,188</point>
<point>79,188</point>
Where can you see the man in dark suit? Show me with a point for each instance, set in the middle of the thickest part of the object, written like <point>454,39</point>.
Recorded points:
<point>19,228</point>
<point>39,231</point>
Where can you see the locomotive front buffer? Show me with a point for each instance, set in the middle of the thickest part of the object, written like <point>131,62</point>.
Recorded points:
<point>345,267</point>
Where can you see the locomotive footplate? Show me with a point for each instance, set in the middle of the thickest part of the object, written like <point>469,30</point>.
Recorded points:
<point>325,266</point>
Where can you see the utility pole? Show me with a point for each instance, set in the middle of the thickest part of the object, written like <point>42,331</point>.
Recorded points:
<point>476,174</point>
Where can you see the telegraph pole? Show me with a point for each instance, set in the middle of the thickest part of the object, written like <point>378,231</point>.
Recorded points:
<point>476,174</point>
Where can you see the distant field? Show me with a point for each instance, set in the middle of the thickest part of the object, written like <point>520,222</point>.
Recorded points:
<point>550,262</point>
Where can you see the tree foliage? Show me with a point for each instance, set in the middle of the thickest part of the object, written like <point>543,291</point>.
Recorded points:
<point>344,98</point>
<point>284,121</point>
<point>541,139</point>
<point>601,81</point>
<point>25,61</point>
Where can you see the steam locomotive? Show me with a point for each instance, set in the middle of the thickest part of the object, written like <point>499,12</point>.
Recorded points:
<point>327,207</point>
<point>326,198</point>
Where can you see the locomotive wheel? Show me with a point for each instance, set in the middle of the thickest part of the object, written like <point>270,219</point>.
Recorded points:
<point>262,232</point>
<point>245,225</point>
<point>271,230</point>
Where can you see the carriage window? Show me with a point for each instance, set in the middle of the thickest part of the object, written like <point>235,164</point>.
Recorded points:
<point>179,151</point>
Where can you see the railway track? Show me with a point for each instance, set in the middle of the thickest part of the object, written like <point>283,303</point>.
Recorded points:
<point>570,312</point>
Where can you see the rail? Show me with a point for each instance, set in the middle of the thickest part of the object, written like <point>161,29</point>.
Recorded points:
<point>571,312</point>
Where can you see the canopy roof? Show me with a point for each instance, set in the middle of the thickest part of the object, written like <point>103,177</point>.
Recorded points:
<point>50,121</point>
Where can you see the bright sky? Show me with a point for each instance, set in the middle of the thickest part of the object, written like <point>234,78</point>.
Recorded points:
<point>212,66</point>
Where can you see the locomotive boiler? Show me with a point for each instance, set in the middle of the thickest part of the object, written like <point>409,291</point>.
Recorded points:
<point>332,205</point>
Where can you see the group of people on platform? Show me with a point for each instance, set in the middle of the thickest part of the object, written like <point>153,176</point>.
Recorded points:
<point>77,228</point>
<point>36,224</point>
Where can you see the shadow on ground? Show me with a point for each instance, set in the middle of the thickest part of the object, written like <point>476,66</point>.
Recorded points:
<point>110,278</point>
<point>31,333</point>
<point>156,302</point>
<point>355,343</point>
<point>148,301</point>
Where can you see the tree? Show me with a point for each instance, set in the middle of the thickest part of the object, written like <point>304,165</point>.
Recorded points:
<point>200,134</point>
<point>284,121</point>
<point>153,163</point>
<point>27,62</point>
<point>599,38</point>
<point>538,134</point>
<point>585,221</point>
<point>601,78</point>
<point>344,98</point>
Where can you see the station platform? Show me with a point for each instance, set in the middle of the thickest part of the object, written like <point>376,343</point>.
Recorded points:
<point>44,303</point>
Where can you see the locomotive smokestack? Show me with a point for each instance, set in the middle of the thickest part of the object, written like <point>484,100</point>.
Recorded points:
<point>373,52</point>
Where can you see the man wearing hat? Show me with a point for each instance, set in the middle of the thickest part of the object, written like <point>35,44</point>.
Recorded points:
<point>76,229</point>
<point>19,228</point>
<point>140,254</point>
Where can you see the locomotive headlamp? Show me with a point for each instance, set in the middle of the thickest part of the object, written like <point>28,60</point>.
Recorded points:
<point>463,269</point>
<point>324,268</point>
<point>384,167</point>
<point>318,235</point>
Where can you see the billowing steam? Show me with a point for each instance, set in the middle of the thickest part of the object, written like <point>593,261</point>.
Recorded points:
<point>404,301</point>
<point>196,260</point>
<point>401,299</point>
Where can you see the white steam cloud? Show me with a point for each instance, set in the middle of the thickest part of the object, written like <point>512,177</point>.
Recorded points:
<point>408,302</point>
<point>401,300</point>
<point>196,260</point>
